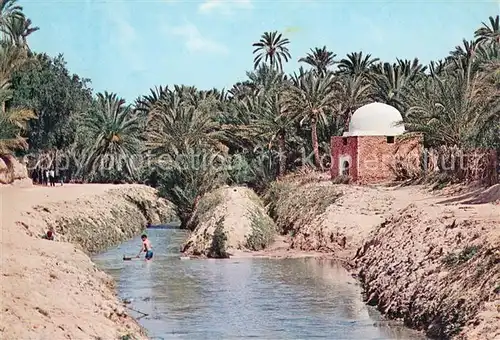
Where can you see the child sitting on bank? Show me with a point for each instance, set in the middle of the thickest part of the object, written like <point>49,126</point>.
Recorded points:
<point>49,235</point>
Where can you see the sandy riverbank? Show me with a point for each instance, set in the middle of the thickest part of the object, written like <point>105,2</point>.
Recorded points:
<point>429,258</point>
<point>436,265</point>
<point>52,290</point>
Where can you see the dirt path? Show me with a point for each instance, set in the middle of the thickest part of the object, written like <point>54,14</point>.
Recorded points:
<point>51,290</point>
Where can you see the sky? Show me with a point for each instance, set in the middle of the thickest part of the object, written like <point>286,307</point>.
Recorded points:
<point>130,46</point>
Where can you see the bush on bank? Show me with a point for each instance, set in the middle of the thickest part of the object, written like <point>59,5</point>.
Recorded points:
<point>293,205</point>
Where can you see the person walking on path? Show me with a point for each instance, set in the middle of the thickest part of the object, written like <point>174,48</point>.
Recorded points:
<point>52,178</point>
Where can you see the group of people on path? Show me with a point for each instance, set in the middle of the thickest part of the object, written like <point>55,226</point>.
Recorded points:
<point>49,178</point>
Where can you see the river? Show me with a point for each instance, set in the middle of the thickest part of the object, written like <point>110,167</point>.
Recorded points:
<point>241,298</point>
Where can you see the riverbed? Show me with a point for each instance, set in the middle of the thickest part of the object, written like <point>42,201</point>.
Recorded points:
<point>241,298</point>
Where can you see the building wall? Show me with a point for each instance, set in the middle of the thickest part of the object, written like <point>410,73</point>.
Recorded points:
<point>344,148</point>
<point>377,157</point>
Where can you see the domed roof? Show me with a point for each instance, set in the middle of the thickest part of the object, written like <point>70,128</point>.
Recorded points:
<point>375,119</point>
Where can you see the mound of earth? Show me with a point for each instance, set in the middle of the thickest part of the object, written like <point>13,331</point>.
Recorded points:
<point>329,217</point>
<point>227,220</point>
<point>13,171</point>
<point>51,289</point>
<point>97,221</point>
<point>437,267</point>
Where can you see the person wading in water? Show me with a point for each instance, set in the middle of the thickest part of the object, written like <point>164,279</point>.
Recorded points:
<point>146,247</point>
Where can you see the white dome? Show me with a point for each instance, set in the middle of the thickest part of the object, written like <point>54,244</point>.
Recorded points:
<point>375,119</point>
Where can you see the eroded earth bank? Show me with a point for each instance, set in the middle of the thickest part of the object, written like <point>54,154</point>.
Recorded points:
<point>52,290</point>
<point>430,258</point>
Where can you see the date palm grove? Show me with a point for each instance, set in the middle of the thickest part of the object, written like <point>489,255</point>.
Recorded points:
<point>187,141</point>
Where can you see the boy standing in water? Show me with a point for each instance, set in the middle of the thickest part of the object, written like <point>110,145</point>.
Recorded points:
<point>146,247</point>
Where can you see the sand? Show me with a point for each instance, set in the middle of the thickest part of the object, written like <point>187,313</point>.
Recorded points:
<point>240,213</point>
<point>51,289</point>
<point>410,247</point>
<point>436,263</point>
<point>413,249</point>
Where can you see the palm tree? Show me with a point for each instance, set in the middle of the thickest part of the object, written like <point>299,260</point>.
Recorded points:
<point>463,57</point>
<point>437,68</point>
<point>186,178</point>
<point>17,30</point>
<point>146,103</point>
<point>11,59</point>
<point>113,133</point>
<point>356,64</point>
<point>489,33</point>
<point>12,124</point>
<point>242,90</point>
<point>390,81</point>
<point>487,53</point>
<point>411,69</point>
<point>174,126</point>
<point>267,80</point>
<point>351,94</point>
<point>273,124</point>
<point>9,9</point>
<point>452,111</point>
<point>320,59</point>
<point>272,48</point>
<point>312,98</point>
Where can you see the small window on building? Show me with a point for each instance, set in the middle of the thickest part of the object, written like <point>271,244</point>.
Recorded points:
<point>390,139</point>
<point>344,141</point>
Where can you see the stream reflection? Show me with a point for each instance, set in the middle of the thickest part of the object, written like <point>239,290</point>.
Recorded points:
<point>242,298</point>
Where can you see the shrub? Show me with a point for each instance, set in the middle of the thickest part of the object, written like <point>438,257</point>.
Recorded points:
<point>293,206</point>
<point>188,177</point>
<point>455,259</point>
<point>263,231</point>
<point>218,246</point>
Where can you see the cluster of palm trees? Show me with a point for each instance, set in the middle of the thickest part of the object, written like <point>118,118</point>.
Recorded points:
<point>258,126</point>
<point>187,141</point>
<point>14,51</point>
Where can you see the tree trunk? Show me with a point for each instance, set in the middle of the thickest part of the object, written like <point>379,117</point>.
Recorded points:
<point>314,137</point>
<point>56,165</point>
<point>282,156</point>
<point>188,220</point>
<point>347,120</point>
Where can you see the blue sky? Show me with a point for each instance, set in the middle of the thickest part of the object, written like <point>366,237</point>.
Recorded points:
<point>129,46</point>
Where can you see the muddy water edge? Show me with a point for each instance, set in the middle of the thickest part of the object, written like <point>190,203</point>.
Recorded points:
<point>241,298</point>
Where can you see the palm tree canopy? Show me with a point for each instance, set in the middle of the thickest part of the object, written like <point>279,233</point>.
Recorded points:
<point>320,59</point>
<point>489,33</point>
<point>310,96</point>
<point>356,64</point>
<point>114,132</point>
<point>271,48</point>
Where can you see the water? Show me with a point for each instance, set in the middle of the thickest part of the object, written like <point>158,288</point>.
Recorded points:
<point>244,298</point>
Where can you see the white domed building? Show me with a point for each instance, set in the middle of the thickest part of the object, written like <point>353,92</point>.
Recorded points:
<point>367,151</point>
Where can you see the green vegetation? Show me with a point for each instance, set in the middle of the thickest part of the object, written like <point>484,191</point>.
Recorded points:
<point>294,205</point>
<point>218,246</point>
<point>455,259</point>
<point>127,336</point>
<point>263,230</point>
<point>205,208</point>
<point>187,142</point>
